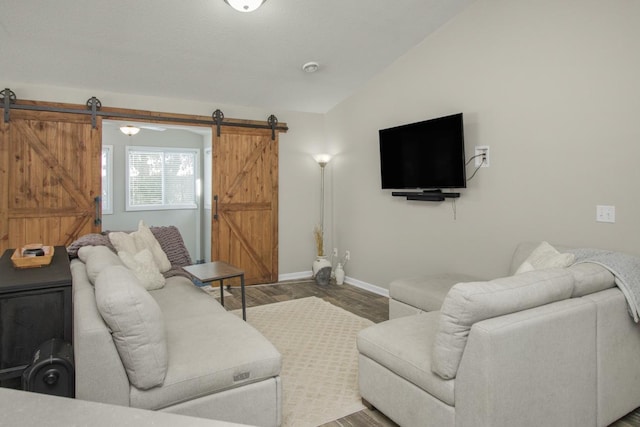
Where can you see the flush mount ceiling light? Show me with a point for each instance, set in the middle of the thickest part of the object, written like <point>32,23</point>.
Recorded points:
<point>310,67</point>
<point>245,5</point>
<point>129,130</point>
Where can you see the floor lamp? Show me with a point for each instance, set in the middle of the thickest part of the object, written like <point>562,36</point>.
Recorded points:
<point>322,160</point>
<point>321,266</point>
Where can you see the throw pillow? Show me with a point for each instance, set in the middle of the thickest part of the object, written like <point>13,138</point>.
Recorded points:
<point>145,239</point>
<point>92,239</point>
<point>144,267</point>
<point>545,256</point>
<point>139,240</point>
<point>123,241</point>
<point>136,324</point>
<point>172,244</point>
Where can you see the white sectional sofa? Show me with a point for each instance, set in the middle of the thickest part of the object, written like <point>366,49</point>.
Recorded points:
<point>553,347</point>
<point>173,349</point>
<point>25,409</point>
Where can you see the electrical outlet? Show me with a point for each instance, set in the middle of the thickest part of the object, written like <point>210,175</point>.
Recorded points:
<point>605,214</point>
<point>335,252</point>
<point>347,255</point>
<point>482,151</point>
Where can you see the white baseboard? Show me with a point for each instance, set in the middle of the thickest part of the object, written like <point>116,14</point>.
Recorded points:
<point>295,276</point>
<point>349,280</point>
<point>367,286</point>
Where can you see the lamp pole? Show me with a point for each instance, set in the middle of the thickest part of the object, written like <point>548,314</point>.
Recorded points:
<point>321,266</point>
<point>322,160</point>
<point>322,165</point>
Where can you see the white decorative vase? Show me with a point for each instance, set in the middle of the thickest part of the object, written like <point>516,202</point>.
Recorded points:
<point>319,263</point>
<point>339,274</point>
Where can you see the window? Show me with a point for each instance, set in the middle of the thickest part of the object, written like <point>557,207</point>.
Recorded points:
<point>107,179</point>
<point>161,178</point>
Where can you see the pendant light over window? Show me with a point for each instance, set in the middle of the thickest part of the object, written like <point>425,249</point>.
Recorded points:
<point>129,130</point>
<point>245,5</point>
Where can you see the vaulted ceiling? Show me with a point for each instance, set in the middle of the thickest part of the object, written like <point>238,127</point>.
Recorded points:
<point>204,50</point>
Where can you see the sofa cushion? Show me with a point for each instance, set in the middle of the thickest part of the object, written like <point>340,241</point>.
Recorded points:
<point>425,292</point>
<point>144,267</point>
<point>403,346</point>
<point>590,278</point>
<point>180,298</point>
<point>136,325</point>
<point>96,259</point>
<point>200,365</point>
<point>545,256</point>
<point>468,303</point>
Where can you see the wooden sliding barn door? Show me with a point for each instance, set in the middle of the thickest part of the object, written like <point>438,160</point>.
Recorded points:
<point>50,174</point>
<point>245,202</point>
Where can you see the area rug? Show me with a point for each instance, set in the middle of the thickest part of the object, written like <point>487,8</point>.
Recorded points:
<point>214,291</point>
<point>317,341</point>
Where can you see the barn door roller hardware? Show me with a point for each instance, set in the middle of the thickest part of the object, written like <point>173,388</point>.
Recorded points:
<point>94,105</point>
<point>7,97</point>
<point>218,117</point>
<point>272,123</point>
<point>8,100</point>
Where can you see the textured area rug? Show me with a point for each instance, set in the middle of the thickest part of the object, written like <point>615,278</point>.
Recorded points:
<point>317,341</point>
<point>214,291</point>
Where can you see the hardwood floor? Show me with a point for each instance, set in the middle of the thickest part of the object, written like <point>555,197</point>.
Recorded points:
<point>360,302</point>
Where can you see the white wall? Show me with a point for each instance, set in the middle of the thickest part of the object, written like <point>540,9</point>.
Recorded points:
<point>299,174</point>
<point>552,87</point>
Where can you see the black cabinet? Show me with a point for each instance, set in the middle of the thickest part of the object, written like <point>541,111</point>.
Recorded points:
<point>35,306</point>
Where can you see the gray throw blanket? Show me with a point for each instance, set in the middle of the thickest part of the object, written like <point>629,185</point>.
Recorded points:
<point>625,268</point>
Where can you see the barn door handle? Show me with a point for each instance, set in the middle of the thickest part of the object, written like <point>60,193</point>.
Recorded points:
<point>97,220</point>
<point>215,214</point>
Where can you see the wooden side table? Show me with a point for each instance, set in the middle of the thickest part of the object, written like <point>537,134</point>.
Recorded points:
<point>219,271</point>
<point>35,306</point>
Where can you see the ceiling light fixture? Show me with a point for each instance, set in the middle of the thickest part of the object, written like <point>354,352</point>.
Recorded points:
<point>245,5</point>
<point>310,67</point>
<point>129,130</point>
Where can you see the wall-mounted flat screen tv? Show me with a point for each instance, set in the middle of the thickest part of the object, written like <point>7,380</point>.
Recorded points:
<point>424,155</point>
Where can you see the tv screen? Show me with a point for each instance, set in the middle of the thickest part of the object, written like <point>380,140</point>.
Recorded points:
<point>424,155</point>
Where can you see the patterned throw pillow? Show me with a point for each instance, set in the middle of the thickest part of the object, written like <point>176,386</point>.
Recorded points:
<point>545,256</point>
<point>139,240</point>
<point>144,267</point>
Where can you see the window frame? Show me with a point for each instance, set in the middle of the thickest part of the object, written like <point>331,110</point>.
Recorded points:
<point>161,150</point>
<point>109,181</point>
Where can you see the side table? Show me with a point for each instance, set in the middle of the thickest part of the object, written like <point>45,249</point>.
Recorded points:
<point>219,271</point>
<point>35,306</point>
